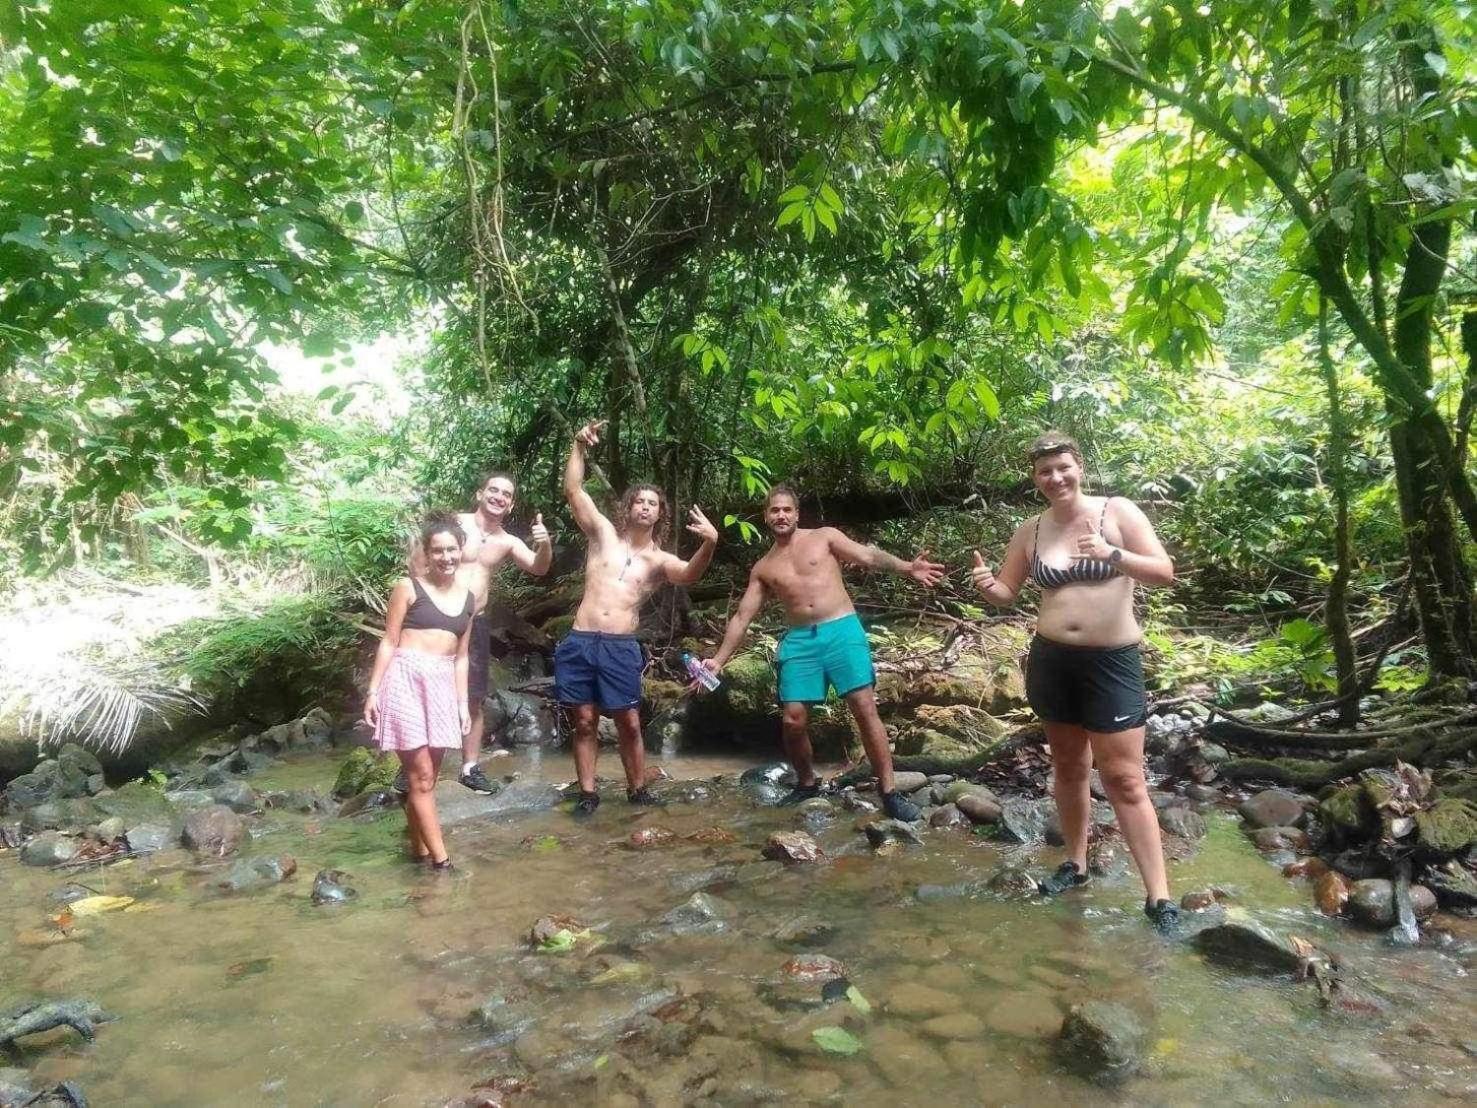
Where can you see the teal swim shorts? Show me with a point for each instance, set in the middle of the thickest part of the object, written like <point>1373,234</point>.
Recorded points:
<point>834,653</point>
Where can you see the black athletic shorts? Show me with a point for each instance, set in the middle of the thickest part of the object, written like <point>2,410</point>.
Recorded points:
<point>1099,688</point>
<point>479,653</point>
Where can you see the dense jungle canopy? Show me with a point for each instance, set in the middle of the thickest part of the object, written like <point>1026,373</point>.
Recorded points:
<point>871,248</point>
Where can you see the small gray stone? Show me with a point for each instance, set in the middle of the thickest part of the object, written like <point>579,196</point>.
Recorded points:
<point>1182,820</point>
<point>237,796</point>
<point>950,818</point>
<point>907,781</point>
<point>700,914</point>
<point>147,838</point>
<point>1024,821</point>
<point>1372,902</point>
<point>979,808</point>
<point>1273,808</point>
<point>1274,839</point>
<point>249,874</point>
<point>110,829</point>
<point>331,886</point>
<point>50,848</point>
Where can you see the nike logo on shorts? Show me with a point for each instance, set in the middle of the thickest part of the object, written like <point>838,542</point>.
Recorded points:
<point>1120,719</point>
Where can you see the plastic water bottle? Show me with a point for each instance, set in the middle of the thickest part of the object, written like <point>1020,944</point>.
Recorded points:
<point>700,673</point>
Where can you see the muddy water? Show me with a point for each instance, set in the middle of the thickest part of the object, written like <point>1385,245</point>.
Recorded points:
<point>262,998</point>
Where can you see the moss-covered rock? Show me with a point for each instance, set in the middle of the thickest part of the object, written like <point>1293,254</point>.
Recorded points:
<point>363,769</point>
<point>1343,811</point>
<point>748,684</point>
<point>556,627</point>
<point>137,802</point>
<point>659,693</point>
<point>1449,826</point>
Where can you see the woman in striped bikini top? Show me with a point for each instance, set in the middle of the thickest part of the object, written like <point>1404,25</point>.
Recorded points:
<point>1081,570</point>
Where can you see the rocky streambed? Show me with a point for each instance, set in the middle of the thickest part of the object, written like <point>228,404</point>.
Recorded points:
<point>245,936</point>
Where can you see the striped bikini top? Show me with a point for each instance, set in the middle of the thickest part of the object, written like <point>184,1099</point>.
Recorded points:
<point>1081,571</point>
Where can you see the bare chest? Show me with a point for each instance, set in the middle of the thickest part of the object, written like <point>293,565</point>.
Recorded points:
<point>805,565</point>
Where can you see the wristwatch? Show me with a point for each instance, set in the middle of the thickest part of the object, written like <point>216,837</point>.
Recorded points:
<point>1115,557</point>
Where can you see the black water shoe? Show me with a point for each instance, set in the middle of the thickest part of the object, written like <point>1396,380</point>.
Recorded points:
<point>586,805</point>
<point>1164,915</point>
<point>900,807</point>
<point>645,797</point>
<point>1067,876</point>
<point>443,866</point>
<point>479,782</point>
<point>799,795</point>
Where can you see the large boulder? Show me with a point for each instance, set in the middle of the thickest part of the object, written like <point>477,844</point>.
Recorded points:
<point>214,830</point>
<point>949,731</point>
<point>1103,1041</point>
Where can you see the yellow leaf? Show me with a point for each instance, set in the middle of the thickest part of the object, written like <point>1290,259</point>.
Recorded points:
<point>96,905</point>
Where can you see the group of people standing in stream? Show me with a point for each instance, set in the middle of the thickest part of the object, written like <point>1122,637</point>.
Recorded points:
<point>1084,675</point>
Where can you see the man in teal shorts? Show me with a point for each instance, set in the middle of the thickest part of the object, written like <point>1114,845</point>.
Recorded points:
<point>825,646</point>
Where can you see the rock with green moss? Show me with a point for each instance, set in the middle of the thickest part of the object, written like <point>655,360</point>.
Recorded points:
<point>556,627</point>
<point>1343,810</point>
<point>362,770</point>
<point>1449,826</point>
<point>137,802</point>
<point>748,683</point>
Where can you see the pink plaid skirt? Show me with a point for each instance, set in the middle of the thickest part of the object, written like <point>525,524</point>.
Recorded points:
<point>418,703</point>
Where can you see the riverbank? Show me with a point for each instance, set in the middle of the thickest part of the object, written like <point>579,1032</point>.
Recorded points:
<point>709,972</point>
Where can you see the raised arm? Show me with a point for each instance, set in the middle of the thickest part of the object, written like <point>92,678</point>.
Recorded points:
<point>850,551</point>
<point>400,597</point>
<point>536,560</point>
<point>1002,590</point>
<point>587,517</point>
<point>753,599</point>
<point>691,571</point>
<point>1142,556</point>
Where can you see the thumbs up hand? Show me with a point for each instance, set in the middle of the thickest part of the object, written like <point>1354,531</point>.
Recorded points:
<point>983,578</point>
<point>540,533</point>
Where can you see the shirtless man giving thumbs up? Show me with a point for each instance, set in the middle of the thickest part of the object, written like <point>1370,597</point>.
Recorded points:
<point>487,545</point>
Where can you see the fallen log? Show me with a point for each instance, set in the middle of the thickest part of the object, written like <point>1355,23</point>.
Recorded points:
<point>1427,750</point>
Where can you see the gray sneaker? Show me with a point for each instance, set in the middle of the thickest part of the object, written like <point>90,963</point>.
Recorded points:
<point>479,782</point>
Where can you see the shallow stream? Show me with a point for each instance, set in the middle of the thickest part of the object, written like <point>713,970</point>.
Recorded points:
<point>263,998</point>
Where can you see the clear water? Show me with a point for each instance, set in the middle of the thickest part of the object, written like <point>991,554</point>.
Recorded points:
<point>262,998</point>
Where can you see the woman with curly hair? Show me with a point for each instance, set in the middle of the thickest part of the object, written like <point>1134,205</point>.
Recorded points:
<point>417,702</point>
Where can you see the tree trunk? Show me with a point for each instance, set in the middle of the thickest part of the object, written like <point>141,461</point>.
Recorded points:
<point>1439,577</point>
<point>1338,586</point>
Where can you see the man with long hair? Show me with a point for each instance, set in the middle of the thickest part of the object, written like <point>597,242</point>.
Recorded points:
<point>826,646</point>
<point>597,666</point>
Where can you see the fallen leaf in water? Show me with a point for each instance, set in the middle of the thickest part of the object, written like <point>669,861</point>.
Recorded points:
<point>836,1040</point>
<point>312,827</point>
<point>1165,1047</point>
<point>1302,947</point>
<point>859,1002</point>
<point>96,905</point>
<point>63,920</point>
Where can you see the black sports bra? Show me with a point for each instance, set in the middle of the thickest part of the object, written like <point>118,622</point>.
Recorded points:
<point>1081,571</point>
<point>423,615</point>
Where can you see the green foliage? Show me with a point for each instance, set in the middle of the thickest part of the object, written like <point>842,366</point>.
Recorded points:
<point>302,634</point>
